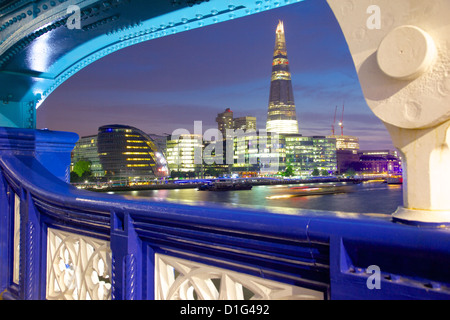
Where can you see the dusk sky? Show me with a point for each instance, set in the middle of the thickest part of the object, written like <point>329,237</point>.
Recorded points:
<point>168,83</point>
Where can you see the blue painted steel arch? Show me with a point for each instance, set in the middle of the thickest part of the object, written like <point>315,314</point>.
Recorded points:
<point>39,50</point>
<point>326,251</point>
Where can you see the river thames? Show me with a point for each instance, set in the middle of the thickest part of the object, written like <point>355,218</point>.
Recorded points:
<point>371,197</point>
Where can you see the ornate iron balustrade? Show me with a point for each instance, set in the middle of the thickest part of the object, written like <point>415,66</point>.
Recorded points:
<point>58,242</point>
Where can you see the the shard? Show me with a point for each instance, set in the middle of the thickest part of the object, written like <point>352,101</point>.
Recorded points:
<point>281,117</point>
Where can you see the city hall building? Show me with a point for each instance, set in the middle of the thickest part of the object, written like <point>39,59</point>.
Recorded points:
<point>122,153</point>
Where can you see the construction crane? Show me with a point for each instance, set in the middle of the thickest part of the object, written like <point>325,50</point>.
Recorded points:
<point>334,121</point>
<point>341,124</point>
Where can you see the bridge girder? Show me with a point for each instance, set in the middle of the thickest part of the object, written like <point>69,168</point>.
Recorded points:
<point>41,44</point>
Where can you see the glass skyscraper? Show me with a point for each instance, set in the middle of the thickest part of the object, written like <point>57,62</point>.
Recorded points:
<point>281,117</point>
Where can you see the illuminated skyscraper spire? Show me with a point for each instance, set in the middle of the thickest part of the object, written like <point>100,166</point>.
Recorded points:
<point>281,117</point>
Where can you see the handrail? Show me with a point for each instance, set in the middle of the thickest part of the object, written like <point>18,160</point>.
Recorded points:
<point>327,252</point>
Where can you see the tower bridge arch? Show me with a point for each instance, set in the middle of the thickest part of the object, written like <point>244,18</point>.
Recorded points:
<point>400,50</point>
<point>43,43</point>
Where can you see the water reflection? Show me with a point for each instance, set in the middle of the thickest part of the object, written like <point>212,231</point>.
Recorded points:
<point>365,198</point>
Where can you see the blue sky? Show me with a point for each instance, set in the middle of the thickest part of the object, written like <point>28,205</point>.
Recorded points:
<point>168,83</point>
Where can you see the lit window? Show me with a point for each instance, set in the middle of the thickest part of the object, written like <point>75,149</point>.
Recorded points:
<point>137,165</point>
<point>139,159</point>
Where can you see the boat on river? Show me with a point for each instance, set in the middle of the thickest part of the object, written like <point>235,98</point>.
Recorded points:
<point>394,180</point>
<point>312,190</point>
<point>225,185</point>
<point>319,190</point>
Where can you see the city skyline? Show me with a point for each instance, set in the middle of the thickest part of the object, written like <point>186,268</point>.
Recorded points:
<point>169,83</point>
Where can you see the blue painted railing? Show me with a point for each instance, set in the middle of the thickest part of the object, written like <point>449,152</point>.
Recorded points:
<point>323,251</point>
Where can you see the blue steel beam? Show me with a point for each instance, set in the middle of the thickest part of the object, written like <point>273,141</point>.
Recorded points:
<point>39,49</point>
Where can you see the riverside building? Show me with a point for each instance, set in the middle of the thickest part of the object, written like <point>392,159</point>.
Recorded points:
<point>87,149</point>
<point>305,154</point>
<point>347,148</point>
<point>128,154</point>
<point>244,123</point>
<point>225,121</point>
<point>182,153</point>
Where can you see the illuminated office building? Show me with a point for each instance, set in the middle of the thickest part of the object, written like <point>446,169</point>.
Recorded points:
<point>246,157</point>
<point>86,149</point>
<point>305,154</point>
<point>281,116</point>
<point>347,148</point>
<point>128,154</point>
<point>245,123</point>
<point>225,121</point>
<point>258,154</point>
<point>345,142</point>
<point>214,162</point>
<point>181,155</point>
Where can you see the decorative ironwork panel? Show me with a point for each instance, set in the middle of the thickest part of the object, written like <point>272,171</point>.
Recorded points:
<point>78,267</point>
<point>179,279</point>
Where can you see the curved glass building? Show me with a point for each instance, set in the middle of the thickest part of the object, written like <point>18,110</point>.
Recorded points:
<point>127,153</point>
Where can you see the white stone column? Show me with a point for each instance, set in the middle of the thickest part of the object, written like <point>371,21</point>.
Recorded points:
<point>401,51</point>
<point>427,173</point>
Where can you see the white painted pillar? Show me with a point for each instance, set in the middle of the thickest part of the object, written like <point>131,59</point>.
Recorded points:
<point>401,51</point>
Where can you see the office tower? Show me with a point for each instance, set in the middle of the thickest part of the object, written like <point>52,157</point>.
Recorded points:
<point>305,154</point>
<point>245,123</point>
<point>281,117</point>
<point>86,149</point>
<point>346,142</point>
<point>346,151</point>
<point>181,155</point>
<point>225,121</point>
<point>246,154</point>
